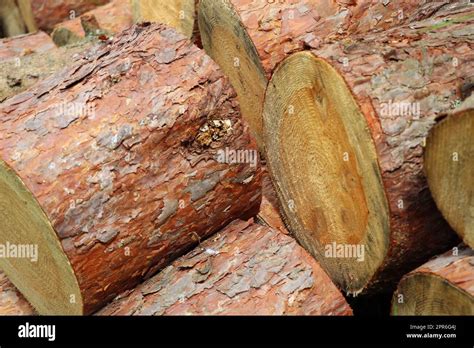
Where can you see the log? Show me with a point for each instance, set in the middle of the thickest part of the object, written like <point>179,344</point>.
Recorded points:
<point>179,14</point>
<point>48,13</point>
<point>111,18</point>
<point>32,58</point>
<point>248,39</point>
<point>246,269</point>
<point>344,133</point>
<point>11,301</point>
<point>112,170</point>
<point>450,171</point>
<point>442,286</point>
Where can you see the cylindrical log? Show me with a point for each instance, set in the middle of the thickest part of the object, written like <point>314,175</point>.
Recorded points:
<point>111,18</point>
<point>11,301</point>
<point>249,38</point>
<point>48,13</point>
<point>442,286</point>
<point>113,167</point>
<point>178,14</point>
<point>450,170</point>
<point>246,269</point>
<point>344,130</point>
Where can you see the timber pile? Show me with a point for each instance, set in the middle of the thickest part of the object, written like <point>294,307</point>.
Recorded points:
<point>346,165</point>
<point>136,182</point>
<point>132,161</point>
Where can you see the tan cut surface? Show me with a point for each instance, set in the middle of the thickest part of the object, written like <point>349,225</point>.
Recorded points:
<point>449,168</point>
<point>329,183</point>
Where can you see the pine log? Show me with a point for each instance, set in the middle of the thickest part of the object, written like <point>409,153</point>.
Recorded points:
<point>48,13</point>
<point>112,168</point>
<point>345,126</point>
<point>111,18</point>
<point>32,58</point>
<point>249,38</point>
<point>179,14</point>
<point>450,170</point>
<point>442,286</point>
<point>246,269</point>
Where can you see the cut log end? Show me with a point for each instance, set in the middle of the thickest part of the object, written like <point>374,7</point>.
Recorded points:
<point>450,171</point>
<point>178,14</point>
<point>443,286</point>
<point>226,40</point>
<point>318,147</point>
<point>49,275</point>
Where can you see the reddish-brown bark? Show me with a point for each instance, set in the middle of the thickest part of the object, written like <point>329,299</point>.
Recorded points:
<point>50,12</point>
<point>112,17</point>
<point>422,65</point>
<point>246,269</point>
<point>442,286</point>
<point>138,169</point>
<point>279,28</point>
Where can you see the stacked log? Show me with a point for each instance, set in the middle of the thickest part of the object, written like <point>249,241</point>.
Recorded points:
<point>442,286</point>
<point>449,168</point>
<point>345,126</point>
<point>111,168</point>
<point>248,39</point>
<point>246,269</point>
<point>48,13</point>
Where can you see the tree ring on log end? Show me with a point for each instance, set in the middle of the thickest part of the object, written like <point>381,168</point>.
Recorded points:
<point>33,258</point>
<point>450,171</point>
<point>324,166</point>
<point>226,40</point>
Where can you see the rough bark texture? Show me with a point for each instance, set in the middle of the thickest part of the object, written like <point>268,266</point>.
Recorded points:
<point>141,170</point>
<point>269,214</point>
<point>278,28</point>
<point>450,271</point>
<point>50,12</point>
<point>32,58</point>
<point>246,269</point>
<point>11,301</point>
<point>111,18</point>
<point>422,65</point>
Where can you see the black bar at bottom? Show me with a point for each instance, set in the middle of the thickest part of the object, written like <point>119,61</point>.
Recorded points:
<point>136,331</point>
